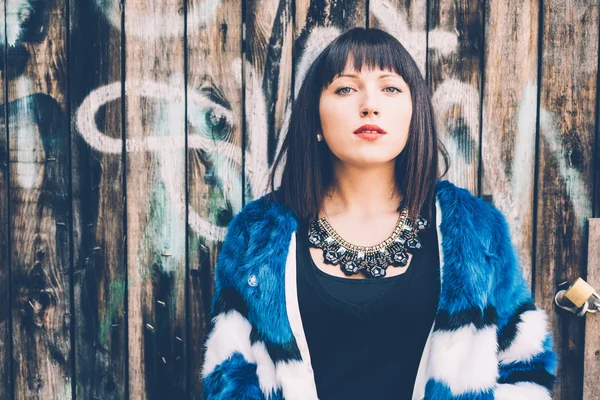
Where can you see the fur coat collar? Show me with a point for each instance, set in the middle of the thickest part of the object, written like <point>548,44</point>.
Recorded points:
<point>488,339</point>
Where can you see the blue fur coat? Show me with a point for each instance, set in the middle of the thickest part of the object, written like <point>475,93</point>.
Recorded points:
<point>488,339</point>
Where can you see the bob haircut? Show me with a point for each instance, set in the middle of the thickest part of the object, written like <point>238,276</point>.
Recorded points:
<point>308,173</point>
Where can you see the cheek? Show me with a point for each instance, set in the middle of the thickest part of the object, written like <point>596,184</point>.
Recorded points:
<point>332,114</point>
<point>400,120</point>
<point>401,114</point>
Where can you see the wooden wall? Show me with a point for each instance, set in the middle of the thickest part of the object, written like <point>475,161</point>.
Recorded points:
<point>132,131</point>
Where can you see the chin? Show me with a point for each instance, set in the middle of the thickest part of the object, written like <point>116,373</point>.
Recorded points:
<point>366,162</point>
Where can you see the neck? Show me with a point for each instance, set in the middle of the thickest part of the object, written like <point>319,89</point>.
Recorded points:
<point>362,192</point>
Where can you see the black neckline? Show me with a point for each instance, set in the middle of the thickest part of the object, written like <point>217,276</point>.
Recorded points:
<point>396,291</point>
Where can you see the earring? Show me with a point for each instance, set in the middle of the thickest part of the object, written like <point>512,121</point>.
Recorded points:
<point>319,137</point>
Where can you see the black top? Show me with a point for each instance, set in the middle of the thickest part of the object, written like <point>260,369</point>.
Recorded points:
<point>366,336</point>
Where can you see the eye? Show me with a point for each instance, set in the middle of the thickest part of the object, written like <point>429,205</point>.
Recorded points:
<point>339,91</point>
<point>395,88</point>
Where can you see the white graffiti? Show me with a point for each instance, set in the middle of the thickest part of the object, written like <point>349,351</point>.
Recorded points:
<point>228,157</point>
<point>396,23</point>
<point>318,39</point>
<point>157,20</point>
<point>174,96</point>
<point>29,147</point>
<point>11,24</point>
<point>169,231</point>
<point>575,186</point>
<point>449,94</point>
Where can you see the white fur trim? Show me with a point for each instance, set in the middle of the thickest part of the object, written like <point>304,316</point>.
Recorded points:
<point>297,382</point>
<point>465,359</point>
<point>438,222</point>
<point>422,373</point>
<point>529,340</point>
<point>297,378</point>
<point>521,391</point>
<point>231,334</point>
<point>265,369</point>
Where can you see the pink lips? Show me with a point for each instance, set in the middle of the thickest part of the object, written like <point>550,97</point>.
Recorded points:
<point>369,132</point>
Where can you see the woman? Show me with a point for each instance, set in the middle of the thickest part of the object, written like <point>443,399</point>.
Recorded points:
<point>364,276</point>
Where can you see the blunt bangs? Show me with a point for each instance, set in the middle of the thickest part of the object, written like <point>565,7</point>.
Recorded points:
<point>363,48</point>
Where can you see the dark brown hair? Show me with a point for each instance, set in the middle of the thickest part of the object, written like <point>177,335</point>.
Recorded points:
<point>308,171</point>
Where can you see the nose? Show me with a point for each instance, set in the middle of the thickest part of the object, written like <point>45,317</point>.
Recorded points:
<point>370,110</point>
<point>369,106</point>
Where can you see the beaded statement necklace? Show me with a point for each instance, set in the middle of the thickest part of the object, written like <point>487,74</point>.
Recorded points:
<point>372,261</point>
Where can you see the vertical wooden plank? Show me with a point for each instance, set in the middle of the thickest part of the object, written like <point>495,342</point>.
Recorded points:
<point>569,67</point>
<point>214,108</point>
<point>509,117</point>
<point>267,84</point>
<point>5,321</point>
<point>406,20</point>
<point>454,76</point>
<point>155,189</point>
<point>98,200</point>
<point>591,362</point>
<point>340,14</point>
<point>39,198</point>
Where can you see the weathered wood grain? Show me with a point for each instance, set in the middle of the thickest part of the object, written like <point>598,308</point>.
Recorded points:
<point>267,83</point>
<point>406,20</point>
<point>591,362</point>
<point>98,200</point>
<point>155,205</point>
<point>216,191</point>
<point>509,117</point>
<point>62,181</point>
<point>5,321</point>
<point>40,200</point>
<point>569,67</point>
<point>340,14</point>
<point>454,76</point>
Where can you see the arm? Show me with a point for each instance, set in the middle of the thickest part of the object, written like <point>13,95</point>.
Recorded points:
<point>229,368</point>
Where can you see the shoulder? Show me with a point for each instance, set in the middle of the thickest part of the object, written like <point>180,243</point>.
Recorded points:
<point>480,230</point>
<point>262,215</point>
<point>262,227</point>
<point>479,220</point>
<point>461,200</point>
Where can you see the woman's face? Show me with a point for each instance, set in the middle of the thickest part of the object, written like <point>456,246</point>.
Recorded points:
<point>370,97</point>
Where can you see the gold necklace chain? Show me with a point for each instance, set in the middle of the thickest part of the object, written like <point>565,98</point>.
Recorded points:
<point>366,249</point>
